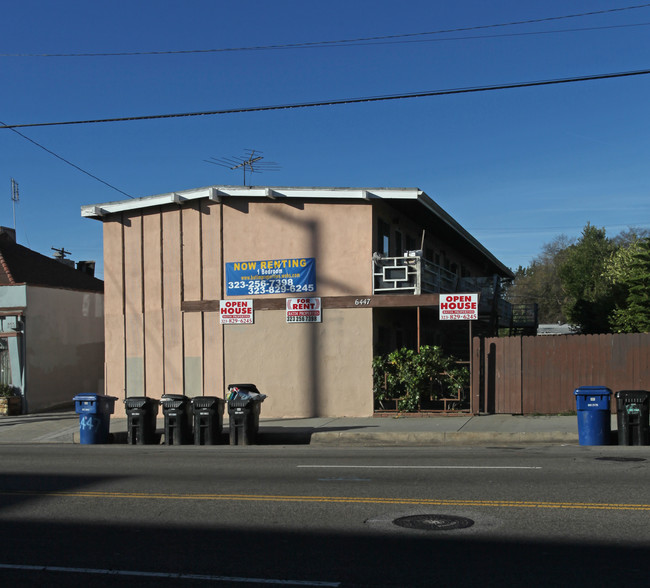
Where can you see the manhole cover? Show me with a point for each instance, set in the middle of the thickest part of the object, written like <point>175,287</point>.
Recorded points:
<point>434,522</point>
<point>620,458</point>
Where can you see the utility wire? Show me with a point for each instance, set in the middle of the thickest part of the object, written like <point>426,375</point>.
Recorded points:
<point>94,177</point>
<point>359,40</point>
<point>383,98</point>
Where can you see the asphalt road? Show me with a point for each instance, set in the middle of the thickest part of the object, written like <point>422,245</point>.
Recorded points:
<point>306,516</point>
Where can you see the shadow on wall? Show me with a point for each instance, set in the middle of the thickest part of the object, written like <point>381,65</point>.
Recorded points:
<point>314,385</point>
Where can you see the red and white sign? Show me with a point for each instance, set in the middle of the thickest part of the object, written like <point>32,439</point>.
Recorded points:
<point>458,307</point>
<point>303,310</point>
<point>236,312</point>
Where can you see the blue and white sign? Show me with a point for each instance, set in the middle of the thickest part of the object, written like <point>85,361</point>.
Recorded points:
<point>271,276</point>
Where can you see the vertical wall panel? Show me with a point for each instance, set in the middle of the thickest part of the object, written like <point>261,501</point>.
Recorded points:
<point>133,305</point>
<point>211,272</point>
<point>114,309</point>
<point>172,318</point>
<point>192,321</point>
<point>153,317</point>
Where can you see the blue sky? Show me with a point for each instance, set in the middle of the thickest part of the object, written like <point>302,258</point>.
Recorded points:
<point>515,167</point>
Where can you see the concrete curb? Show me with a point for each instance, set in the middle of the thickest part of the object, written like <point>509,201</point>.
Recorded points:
<point>339,438</point>
<point>405,439</point>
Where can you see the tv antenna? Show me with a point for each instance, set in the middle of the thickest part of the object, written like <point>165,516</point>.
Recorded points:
<point>252,161</point>
<point>14,198</point>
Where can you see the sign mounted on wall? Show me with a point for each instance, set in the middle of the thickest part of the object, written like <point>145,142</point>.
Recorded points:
<point>304,310</point>
<point>458,307</point>
<point>236,312</point>
<point>271,276</point>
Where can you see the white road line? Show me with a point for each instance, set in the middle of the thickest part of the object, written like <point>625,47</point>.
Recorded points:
<point>421,467</point>
<point>204,577</point>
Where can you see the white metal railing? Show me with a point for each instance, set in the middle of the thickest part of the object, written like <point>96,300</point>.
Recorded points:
<point>411,273</point>
<point>415,275</point>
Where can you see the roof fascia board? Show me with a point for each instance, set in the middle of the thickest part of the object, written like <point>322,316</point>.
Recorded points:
<point>216,193</point>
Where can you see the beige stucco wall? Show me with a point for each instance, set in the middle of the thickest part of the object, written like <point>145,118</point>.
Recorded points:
<point>156,259</point>
<point>338,235</point>
<point>318,369</point>
<point>64,336</point>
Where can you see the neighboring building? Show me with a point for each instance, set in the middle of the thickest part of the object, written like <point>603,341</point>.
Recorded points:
<point>51,326</point>
<point>556,329</point>
<point>376,259</point>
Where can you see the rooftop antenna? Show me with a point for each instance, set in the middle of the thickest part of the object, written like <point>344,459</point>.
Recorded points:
<point>252,161</point>
<point>14,198</point>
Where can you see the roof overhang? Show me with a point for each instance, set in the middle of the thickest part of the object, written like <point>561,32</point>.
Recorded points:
<point>412,199</point>
<point>216,193</point>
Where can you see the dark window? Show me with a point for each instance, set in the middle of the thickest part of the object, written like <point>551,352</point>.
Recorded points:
<point>410,243</point>
<point>398,244</point>
<point>383,237</point>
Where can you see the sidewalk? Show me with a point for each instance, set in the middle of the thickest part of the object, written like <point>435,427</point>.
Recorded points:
<point>63,427</point>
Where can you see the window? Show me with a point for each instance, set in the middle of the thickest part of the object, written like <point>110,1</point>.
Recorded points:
<point>5,364</point>
<point>410,243</point>
<point>383,238</point>
<point>398,244</point>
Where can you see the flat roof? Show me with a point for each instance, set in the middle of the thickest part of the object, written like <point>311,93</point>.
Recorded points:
<point>216,193</point>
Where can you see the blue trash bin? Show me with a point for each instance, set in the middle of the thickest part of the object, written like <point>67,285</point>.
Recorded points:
<point>94,412</point>
<point>594,415</point>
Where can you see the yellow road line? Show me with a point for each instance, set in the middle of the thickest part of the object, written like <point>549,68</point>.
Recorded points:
<point>332,499</point>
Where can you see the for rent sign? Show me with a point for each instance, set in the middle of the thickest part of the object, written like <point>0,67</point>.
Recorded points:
<point>458,307</point>
<point>236,312</point>
<point>303,310</point>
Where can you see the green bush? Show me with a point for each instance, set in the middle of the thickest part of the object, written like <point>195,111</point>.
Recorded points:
<point>6,391</point>
<point>407,375</point>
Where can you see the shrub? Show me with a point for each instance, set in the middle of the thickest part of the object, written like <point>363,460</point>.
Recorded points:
<point>6,391</point>
<point>407,375</point>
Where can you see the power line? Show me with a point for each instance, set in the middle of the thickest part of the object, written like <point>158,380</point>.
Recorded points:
<point>425,94</point>
<point>361,40</point>
<point>94,177</point>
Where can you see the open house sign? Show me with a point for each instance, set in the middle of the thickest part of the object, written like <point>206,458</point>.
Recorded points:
<point>458,307</point>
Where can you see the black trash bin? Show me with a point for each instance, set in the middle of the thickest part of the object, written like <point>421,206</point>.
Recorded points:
<point>244,406</point>
<point>178,419</point>
<point>632,417</point>
<point>208,420</point>
<point>141,412</point>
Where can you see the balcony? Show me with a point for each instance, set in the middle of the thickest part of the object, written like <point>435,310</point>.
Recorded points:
<point>411,274</point>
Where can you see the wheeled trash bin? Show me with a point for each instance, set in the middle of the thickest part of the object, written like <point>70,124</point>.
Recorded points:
<point>594,416</point>
<point>244,405</point>
<point>94,412</point>
<point>632,417</point>
<point>178,419</point>
<point>141,412</point>
<point>208,419</point>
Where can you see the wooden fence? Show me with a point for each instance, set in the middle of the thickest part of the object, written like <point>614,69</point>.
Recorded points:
<point>537,375</point>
